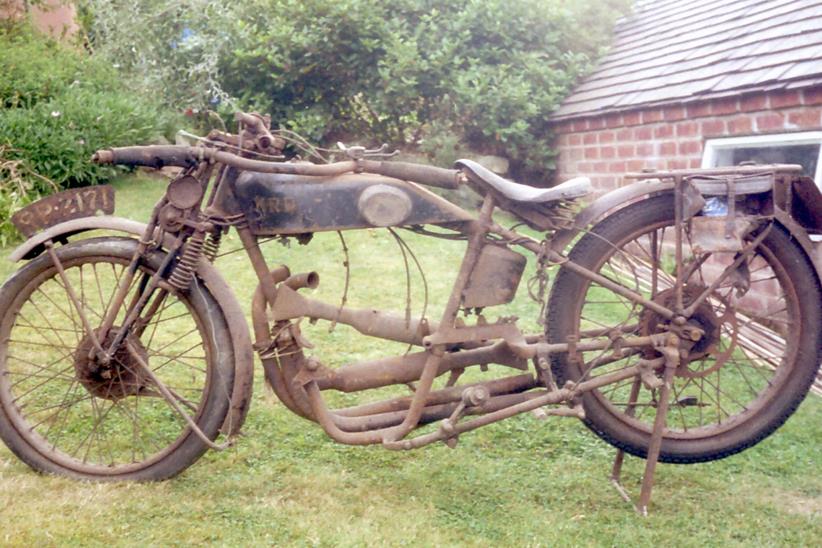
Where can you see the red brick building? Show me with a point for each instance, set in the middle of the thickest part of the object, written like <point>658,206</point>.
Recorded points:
<point>54,17</point>
<point>699,83</point>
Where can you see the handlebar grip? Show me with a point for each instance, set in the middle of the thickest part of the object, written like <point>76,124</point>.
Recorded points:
<point>427,175</point>
<point>148,156</point>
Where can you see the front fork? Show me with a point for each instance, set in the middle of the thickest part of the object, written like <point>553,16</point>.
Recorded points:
<point>101,352</point>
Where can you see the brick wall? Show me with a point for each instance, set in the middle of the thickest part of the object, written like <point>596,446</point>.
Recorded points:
<point>54,17</point>
<point>606,146</point>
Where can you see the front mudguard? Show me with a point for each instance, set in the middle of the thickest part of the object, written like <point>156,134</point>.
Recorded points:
<point>617,199</point>
<point>211,278</point>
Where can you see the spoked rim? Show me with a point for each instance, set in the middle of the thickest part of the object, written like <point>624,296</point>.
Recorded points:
<point>746,354</point>
<point>98,420</point>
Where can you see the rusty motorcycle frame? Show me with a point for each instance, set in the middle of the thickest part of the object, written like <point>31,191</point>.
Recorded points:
<point>87,392</point>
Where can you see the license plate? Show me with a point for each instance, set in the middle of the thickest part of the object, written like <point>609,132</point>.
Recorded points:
<point>64,206</point>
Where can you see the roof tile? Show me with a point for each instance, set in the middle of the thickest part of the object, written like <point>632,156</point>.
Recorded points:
<point>671,51</point>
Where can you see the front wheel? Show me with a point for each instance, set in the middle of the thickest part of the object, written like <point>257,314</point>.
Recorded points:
<point>739,382</point>
<point>62,413</point>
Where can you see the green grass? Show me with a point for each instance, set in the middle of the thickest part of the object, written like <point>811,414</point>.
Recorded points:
<point>519,482</point>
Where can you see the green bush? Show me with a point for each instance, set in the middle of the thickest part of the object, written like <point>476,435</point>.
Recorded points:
<point>168,48</point>
<point>36,68</point>
<point>19,186</point>
<point>59,105</point>
<point>56,138</point>
<point>483,74</point>
<point>487,73</point>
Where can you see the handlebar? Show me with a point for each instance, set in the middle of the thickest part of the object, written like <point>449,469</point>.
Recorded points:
<point>186,156</point>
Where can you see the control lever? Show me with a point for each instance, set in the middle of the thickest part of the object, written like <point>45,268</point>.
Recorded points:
<point>358,152</point>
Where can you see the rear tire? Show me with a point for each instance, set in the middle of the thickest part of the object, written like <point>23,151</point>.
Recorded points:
<point>727,398</point>
<point>62,416</point>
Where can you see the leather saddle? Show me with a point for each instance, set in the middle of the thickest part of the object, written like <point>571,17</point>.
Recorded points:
<point>574,188</point>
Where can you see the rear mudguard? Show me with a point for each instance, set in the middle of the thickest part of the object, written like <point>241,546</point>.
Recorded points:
<point>211,277</point>
<point>617,199</point>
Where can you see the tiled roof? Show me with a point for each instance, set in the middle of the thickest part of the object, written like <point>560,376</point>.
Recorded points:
<point>674,51</point>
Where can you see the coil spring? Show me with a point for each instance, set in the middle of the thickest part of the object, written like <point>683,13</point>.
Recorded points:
<point>184,271</point>
<point>212,245</point>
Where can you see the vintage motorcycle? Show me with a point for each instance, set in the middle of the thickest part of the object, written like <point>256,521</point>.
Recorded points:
<point>683,325</point>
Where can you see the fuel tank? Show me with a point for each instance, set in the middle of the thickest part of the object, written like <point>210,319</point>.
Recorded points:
<point>295,204</point>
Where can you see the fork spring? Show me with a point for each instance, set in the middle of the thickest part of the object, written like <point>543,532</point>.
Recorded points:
<point>212,245</point>
<point>184,271</point>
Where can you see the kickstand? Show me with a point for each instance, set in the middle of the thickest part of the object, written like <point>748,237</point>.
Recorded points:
<point>671,363</point>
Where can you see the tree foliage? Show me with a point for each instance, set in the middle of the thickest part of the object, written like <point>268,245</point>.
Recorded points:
<point>484,74</point>
<point>57,106</point>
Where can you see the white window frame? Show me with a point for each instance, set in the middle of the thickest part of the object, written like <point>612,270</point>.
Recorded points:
<point>713,146</point>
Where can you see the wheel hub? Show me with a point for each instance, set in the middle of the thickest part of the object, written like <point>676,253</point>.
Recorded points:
<point>704,320</point>
<point>122,376</point>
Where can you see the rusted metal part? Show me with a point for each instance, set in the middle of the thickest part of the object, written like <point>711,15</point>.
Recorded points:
<point>740,257</point>
<point>212,279</point>
<point>605,204</point>
<point>64,206</point>
<point>120,378</point>
<point>158,156</point>
<point>679,228</point>
<point>557,258</point>
<point>440,404</point>
<point>63,231</point>
<point>536,401</point>
<point>696,183</point>
<point>432,362</point>
<point>385,325</point>
<point>267,347</point>
<point>384,205</point>
<point>712,235</point>
<point>431,413</point>
<point>806,204</point>
<point>287,204</point>
<point>146,371</point>
<point>619,459</point>
<point>495,279</point>
<point>184,192</point>
<point>717,171</point>
<point>93,337</point>
<point>405,369</point>
<point>255,133</point>
<point>184,271</point>
<point>475,334</point>
<point>311,280</point>
<point>671,355</point>
<point>508,385</point>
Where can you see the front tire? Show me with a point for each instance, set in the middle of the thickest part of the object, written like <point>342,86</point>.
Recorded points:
<point>62,416</point>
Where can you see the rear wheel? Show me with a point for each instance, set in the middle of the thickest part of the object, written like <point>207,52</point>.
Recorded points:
<point>745,376</point>
<point>61,412</point>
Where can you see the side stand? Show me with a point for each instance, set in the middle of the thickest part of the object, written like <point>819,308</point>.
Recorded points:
<point>671,353</point>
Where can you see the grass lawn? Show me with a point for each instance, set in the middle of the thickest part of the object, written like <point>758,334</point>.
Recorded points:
<point>519,482</point>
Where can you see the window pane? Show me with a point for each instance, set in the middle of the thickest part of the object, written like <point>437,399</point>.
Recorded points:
<point>804,155</point>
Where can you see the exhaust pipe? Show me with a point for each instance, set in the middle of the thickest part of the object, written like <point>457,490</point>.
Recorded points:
<point>305,279</point>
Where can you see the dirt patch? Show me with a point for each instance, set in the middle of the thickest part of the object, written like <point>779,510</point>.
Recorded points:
<point>797,503</point>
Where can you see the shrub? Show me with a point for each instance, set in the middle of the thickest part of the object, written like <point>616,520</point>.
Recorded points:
<point>59,105</point>
<point>19,186</point>
<point>168,48</point>
<point>481,73</point>
<point>56,138</point>
<point>488,72</point>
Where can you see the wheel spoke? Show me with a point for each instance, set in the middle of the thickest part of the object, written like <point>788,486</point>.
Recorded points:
<point>746,306</point>
<point>95,418</point>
